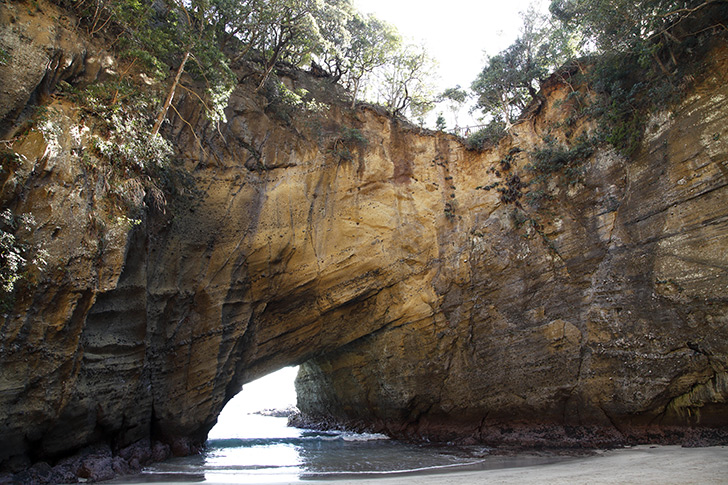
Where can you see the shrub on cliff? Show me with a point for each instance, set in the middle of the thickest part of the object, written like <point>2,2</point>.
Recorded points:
<point>488,135</point>
<point>18,257</point>
<point>641,55</point>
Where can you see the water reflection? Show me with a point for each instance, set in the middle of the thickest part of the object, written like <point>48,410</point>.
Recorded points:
<point>299,454</point>
<point>292,455</point>
<point>245,447</point>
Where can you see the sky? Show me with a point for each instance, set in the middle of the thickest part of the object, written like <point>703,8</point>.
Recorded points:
<point>274,391</point>
<point>458,33</point>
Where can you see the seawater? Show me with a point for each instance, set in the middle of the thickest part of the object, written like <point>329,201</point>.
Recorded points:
<point>267,451</point>
<point>246,447</point>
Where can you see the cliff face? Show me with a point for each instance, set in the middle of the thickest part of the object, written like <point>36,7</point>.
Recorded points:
<point>600,320</point>
<point>362,248</point>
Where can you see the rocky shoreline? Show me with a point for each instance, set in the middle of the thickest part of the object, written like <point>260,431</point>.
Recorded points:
<point>98,463</point>
<point>517,438</point>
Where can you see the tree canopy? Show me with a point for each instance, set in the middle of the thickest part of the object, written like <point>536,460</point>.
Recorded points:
<point>639,29</point>
<point>204,37</point>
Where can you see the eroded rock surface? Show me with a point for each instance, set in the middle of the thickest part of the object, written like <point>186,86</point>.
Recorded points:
<point>601,319</point>
<point>420,304</point>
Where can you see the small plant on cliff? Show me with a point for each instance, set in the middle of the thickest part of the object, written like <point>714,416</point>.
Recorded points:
<point>17,257</point>
<point>553,158</point>
<point>9,161</point>
<point>354,136</point>
<point>348,140</point>
<point>489,135</point>
<point>5,56</point>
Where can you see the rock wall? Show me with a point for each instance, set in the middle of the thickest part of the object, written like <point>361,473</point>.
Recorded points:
<point>362,247</point>
<point>599,319</point>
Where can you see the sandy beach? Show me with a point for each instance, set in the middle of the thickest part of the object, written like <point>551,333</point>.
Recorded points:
<point>636,465</point>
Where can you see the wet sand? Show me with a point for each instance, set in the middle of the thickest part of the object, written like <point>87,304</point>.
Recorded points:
<point>636,465</point>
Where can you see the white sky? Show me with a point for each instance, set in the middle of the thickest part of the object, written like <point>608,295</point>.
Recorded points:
<point>458,33</point>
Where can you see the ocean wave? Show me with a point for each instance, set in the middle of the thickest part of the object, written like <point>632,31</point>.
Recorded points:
<point>305,438</point>
<point>363,436</point>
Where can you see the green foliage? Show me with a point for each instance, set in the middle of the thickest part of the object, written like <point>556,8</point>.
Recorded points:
<point>440,122</point>
<point>121,114</point>
<point>349,139</point>
<point>643,52</point>
<point>489,135</point>
<point>152,66</point>
<point>354,135</point>
<point>553,158</point>
<point>510,79</point>
<point>129,145</point>
<point>627,91</point>
<point>622,25</point>
<point>646,56</point>
<point>284,103</point>
<point>5,56</point>
<point>9,161</point>
<point>204,37</point>
<point>373,42</point>
<point>536,197</point>
<point>100,15</point>
<point>17,257</point>
<point>454,99</point>
<point>405,81</point>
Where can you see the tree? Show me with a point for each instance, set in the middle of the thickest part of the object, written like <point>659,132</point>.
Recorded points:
<point>373,41</point>
<point>190,32</point>
<point>420,105</point>
<point>333,19</point>
<point>289,32</point>
<point>440,124</point>
<point>510,79</point>
<point>405,79</point>
<point>506,84</point>
<point>454,99</point>
<point>623,26</point>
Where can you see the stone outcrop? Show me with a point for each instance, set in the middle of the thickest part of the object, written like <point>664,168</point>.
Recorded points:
<point>600,320</point>
<point>363,248</point>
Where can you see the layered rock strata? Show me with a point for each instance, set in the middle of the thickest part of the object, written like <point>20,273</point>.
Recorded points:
<point>598,319</point>
<point>364,248</point>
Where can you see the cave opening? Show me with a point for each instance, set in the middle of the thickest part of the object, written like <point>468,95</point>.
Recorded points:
<point>247,415</point>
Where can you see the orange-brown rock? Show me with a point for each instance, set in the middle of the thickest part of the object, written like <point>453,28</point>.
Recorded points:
<point>361,247</point>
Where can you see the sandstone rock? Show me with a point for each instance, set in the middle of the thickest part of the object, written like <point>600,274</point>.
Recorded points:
<point>582,330</point>
<point>55,53</point>
<point>418,304</point>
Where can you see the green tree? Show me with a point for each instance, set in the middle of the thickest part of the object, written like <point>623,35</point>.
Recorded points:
<point>289,32</point>
<point>188,31</point>
<point>440,124</point>
<point>373,41</point>
<point>333,19</point>
<point>511,79</point>
<point>641,27</point>
<point>454,98</point>
<point>405,80</point>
